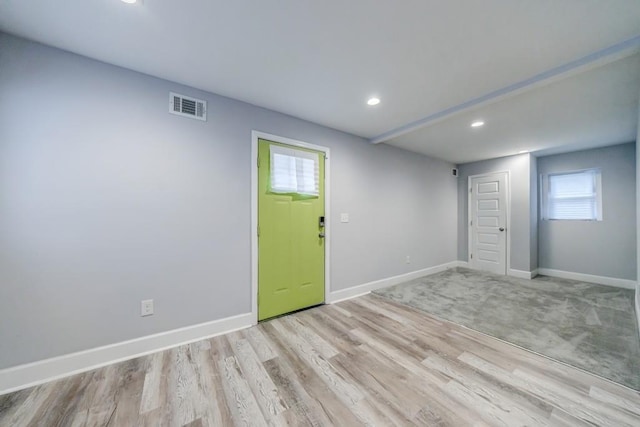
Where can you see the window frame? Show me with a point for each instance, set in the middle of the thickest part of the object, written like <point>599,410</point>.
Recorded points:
<point>545,195</point>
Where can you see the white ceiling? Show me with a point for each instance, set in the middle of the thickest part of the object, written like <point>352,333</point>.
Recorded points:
<point>321,60</point>
<point>591,109</point>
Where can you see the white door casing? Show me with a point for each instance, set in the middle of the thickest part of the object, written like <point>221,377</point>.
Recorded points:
<point>488,214</point>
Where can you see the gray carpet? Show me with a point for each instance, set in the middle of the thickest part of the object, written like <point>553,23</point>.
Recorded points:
<point>589,326</point>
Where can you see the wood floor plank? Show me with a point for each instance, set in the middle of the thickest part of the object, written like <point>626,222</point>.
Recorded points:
<point>572,407</point>
<point>417,317</point>
<point>367,361</point>
<point>482,382</point>
<point>323,347</point>
<point>239,400</point>
<point>441,406</point>
<point>102,404</point>
<point>60,406</point>
<point>182,386</point>
<point>631,405</point>
<point>346,392</point>
<point>259,343</point>
<point>373,319</point>
<point>561,418</point>
<point>381,310</point>
<point>551,387</point>
<point>301,406</point>
<point>263,388</point>
<point>77,410</point>
<point>342,322</point>
<point>152,383</point>
<point>376,379</point>
<point>331,330</point>
<point>207,405</point>
<point>331,407</point>
<point>11,403</point>
<point>441,412</point>
<point>339,309</point>
<point>243,404</point>
<point>520,409</point>
<point>37,398</point>
<point>508,355</point>
<point>488,410</point>
<point>127,410</point>
<point>396,354</point>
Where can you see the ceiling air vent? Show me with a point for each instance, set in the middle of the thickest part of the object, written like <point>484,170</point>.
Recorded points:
<point>188,107</point>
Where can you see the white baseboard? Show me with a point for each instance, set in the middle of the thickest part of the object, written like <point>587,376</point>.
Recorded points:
<point>31,374</point>
<point>601,280</point>
<point>364,289</point>
<point>522,274</point>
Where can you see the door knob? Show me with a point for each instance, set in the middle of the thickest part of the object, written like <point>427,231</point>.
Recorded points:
<point>501,228</point>
<point>321,235</point>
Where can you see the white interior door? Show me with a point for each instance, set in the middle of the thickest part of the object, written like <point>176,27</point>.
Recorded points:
<point>488,222</point>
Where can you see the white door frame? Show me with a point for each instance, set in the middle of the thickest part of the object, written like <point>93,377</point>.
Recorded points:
<point>508,216</point>
<point>255,135</point>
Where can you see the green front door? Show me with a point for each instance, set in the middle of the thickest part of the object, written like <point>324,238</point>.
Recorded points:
<point>290,242</point>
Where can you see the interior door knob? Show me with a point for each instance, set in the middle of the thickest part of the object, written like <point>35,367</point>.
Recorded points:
<point>501,228</point>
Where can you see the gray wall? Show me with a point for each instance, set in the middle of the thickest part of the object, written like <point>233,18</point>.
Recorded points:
<point>522,242</point>
<point>400,204</point>
<point>107,199</point>
<point>602,248</point>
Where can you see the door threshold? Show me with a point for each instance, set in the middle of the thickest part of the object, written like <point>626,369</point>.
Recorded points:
<point>291,312</point>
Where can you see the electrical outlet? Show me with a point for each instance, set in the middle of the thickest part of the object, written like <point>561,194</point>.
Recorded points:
<point>146,307</point>
<point>344,217</point>
<point>408,260</point>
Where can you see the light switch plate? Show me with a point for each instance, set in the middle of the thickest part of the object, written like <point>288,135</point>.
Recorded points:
<point>344,217</point>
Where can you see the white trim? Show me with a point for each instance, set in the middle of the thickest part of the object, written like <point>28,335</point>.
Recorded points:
<point>507,217</point>
<point>521,274</point>
<point>459,263</point>
<point>255,135</point>
<point>31,374</point>
<point>346,294</point>
<point>359,290</point>
<point>254,227</point>
<point>601,280</point>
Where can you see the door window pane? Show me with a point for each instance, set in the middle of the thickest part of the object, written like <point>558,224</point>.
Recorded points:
<point>294,171</point>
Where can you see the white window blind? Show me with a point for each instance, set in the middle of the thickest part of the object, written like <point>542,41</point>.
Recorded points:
<point>294,171</point>
<point>574,195</point>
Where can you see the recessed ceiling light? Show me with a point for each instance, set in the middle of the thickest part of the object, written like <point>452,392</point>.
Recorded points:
<point>373,101</point>
<point>129,1</point>
<point>477,124</point>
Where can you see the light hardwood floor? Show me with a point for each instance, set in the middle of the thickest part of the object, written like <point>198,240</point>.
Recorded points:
<point>367,361</point>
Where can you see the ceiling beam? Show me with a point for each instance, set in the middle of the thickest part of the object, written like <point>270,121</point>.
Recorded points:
<point>593,60</point>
